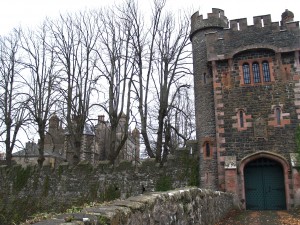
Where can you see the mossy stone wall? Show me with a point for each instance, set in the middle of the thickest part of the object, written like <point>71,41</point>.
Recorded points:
<point>25,191</point>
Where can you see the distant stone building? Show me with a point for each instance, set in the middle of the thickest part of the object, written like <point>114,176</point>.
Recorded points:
<point>131,149</point>
<point>54,152</point>
<point>87,151</point>
<point>247,100</point>
<point>94,144</point>
<point>30,154</point>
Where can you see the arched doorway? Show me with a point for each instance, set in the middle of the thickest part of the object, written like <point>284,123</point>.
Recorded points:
<point>264,185</point>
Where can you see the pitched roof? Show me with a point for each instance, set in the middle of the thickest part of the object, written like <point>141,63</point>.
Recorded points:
<point>34,152</point>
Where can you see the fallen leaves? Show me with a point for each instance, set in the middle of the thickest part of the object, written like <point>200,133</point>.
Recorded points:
<point>291,217</point>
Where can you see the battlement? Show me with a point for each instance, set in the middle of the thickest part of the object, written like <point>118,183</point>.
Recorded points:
<point>239,36</point>
<point>216,18</point>
<point>261,22</point>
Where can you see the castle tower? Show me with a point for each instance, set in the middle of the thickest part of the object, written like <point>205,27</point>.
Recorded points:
<point>102,133</point>
<point>204,94</point>
<point>101,122</point>
<point>247,107</point>
<point>53,123</point>
<point>136,138</point>
<point>122,123</point>
<point>54,138</point>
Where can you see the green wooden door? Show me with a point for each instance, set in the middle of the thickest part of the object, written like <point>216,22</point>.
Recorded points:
<point>264,185</point>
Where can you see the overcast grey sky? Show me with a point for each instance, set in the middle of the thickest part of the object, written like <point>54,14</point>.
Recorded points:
<point>32,12</point>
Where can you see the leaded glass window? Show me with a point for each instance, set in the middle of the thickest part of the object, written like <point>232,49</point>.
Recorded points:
<point>256,73</point>
<point>246,72</point>
<point>266,71</point>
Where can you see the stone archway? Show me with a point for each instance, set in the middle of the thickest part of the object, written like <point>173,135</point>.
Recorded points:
<point>264,181</point>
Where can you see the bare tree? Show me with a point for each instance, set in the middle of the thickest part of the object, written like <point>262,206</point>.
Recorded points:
<point>39,64</point>
<point>13,111</point>
<point>181,119</point>
<point>75,38</point>
<point>163,56</point>
<point>114,54</point>
<point>117,68</point>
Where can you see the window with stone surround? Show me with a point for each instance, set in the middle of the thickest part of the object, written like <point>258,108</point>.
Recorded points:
<point>241,115</point>
<point>241,120</point>
<point>256,71</point>
<point>278,118</point>
<point>278,115</point>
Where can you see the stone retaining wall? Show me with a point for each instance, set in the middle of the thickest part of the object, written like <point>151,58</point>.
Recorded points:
<point>26,191</point>
<point>181,206</point>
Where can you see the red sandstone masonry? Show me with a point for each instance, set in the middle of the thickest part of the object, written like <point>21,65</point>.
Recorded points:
<point>297,98</point>
<point>219,113</point>
<point>231,180</point>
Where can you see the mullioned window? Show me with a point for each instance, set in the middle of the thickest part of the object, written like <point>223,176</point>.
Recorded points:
<point>256,72</point>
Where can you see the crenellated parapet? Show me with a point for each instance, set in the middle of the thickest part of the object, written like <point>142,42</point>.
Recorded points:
<point>262,22</point>
<point>263,33</point>
<point>258,21</point>
<point>216,18</point>
<point>237,35</point>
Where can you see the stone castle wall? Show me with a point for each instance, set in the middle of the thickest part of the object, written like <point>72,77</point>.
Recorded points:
<point>228,42</point>
<point>25,191</point>
<point>257,103</point>
<point>183,206</point>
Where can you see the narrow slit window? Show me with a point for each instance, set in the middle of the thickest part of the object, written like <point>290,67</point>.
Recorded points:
<point>204,78</point>
<point>246,73</point>
<point>266,71</point>
<point>207,149</point>
<point>241,118</point>
<point>256,73</point>
<point>278,115</point>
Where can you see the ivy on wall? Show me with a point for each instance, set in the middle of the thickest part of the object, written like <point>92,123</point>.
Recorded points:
<point>21,176</point>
